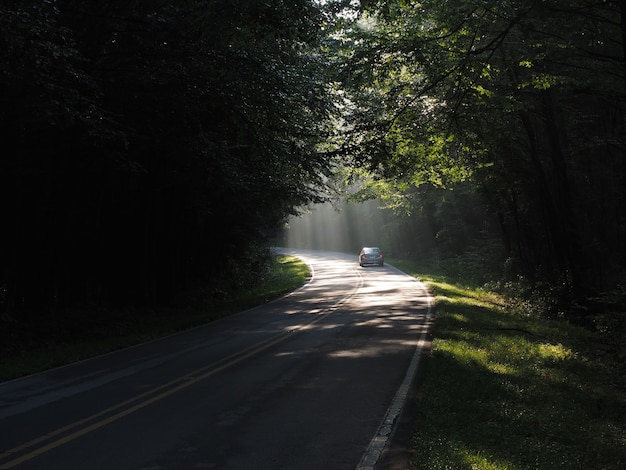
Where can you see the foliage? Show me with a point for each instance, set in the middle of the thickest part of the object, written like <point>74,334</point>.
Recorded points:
<point>523,99</point>
<point>172,138</point>
<point>508,390</point>
<point>149,146</point>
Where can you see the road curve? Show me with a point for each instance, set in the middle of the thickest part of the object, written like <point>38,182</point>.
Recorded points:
<point>314,380</point>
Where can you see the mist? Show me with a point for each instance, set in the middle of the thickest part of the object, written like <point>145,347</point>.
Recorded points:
<point>338,227</point>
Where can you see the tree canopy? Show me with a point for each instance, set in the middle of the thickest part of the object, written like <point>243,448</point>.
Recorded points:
<point>522,100</point>
<point>151,144</point>
<point>148,146</point>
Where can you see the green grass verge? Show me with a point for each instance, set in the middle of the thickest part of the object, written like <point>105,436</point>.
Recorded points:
<point>54,340</point>
<point>507,390</point>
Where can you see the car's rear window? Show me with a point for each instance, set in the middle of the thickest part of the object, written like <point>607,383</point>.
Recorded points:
<point>371,250</point>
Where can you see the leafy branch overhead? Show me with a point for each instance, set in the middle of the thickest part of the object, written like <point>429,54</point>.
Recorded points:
<point>169,138</point>
<point>524,100</point>
<point>175,138</point>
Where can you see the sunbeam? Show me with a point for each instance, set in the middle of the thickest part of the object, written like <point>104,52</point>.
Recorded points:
<point>345,228</point>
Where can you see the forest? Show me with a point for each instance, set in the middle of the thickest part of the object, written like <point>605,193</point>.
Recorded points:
<point>150,147</point>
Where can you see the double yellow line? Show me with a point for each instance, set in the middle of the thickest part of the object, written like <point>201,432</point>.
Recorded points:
<point>29,450</point>
<point>13,457</point>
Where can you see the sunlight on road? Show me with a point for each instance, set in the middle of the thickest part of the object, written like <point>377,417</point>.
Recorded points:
<point>365,299</point>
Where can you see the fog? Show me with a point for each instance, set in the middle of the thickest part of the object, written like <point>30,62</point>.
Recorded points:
<point>345,227</point>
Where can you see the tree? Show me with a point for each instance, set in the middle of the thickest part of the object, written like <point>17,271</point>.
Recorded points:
<point>523,98</point>
<point>153,145</point>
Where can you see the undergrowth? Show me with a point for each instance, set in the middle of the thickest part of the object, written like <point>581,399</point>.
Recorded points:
<point>58,338</point>
<point>508,388</point>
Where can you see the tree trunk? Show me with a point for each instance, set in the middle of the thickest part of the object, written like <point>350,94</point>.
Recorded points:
<point>566,230</point>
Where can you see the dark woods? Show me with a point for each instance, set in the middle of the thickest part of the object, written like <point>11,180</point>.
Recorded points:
<point>519,107</point>
<point>149,145</point>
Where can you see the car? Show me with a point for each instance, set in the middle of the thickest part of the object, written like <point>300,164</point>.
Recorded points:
<point>371,255</point>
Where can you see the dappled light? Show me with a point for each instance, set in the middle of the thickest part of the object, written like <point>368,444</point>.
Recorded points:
<point>155,155</point>
<point>508,392</point>
<point>344,297</point>
<point>373,350</point>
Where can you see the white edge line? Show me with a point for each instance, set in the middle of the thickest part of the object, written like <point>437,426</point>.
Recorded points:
<point>380,440</point>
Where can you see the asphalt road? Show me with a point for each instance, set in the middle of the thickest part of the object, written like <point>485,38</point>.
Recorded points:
<point>315,380</point>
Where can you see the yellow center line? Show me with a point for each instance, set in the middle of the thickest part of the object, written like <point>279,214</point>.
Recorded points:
<point>144,399</point>
<point>154,395</point>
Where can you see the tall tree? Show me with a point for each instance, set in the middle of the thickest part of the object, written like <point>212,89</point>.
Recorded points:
<point>152,144</point>
<point>525,98</point>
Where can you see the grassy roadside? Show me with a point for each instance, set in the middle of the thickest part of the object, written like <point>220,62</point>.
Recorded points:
<point>508,390</point>
<point>53,341</point>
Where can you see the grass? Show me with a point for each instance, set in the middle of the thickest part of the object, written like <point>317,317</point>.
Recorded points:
<point>505,390</point>
<point>57,339</point>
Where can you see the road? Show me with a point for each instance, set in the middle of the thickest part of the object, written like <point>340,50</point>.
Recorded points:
<point>315,380</point>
